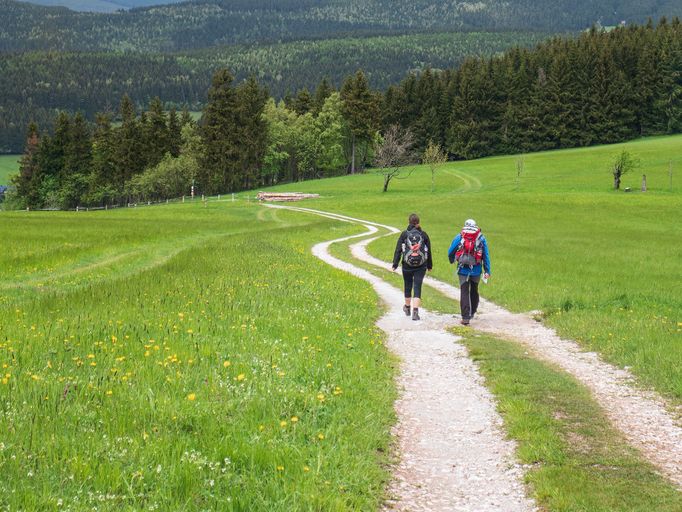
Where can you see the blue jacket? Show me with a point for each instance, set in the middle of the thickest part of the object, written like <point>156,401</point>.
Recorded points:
<point>476,270</point>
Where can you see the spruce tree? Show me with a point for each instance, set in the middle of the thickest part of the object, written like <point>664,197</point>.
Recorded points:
<point>219,165</point>
<point>129,155</point>
<point>323,91</point>
<point>174,133</point>
<point>27,181</point>
<point>303,103</point>
<point>361,112</point>
<point>77,164</point>
<point>157,138</point>
<point>102,185</point>
<point>185,117</point>
<point>252,130</point>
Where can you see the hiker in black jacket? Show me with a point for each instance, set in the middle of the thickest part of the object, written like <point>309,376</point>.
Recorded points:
<point>414,250</point>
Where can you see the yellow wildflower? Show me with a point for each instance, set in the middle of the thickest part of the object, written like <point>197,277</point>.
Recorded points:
<point>191,397</point>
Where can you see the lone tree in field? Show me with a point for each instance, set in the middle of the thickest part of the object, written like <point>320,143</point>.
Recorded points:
<point>623,164</point>
<point>433,157</point>
<point>393,153</point>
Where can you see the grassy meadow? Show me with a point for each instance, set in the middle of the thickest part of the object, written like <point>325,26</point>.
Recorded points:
<point>9,165</point>
<point>605,267</point>
<point>187,358</point>
<point>198,357</point>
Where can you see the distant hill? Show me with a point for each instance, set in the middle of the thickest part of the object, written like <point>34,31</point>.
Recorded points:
<point>207,23</point>
<point>102,5</point>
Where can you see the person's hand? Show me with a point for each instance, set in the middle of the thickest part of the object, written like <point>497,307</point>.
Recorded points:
<point>486,276</point>
<point>393,269</point>
<point>429,269</point>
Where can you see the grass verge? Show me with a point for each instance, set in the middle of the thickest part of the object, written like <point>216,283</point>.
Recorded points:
<point>578,462</point>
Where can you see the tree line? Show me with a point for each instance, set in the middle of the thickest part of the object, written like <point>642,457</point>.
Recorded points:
<point>599,87</point>
<point>36,84</point>
<point>202,24</point>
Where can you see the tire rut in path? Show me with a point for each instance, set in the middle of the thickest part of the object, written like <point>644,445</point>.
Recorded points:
<point>453,455</point>
<point>640,415</point>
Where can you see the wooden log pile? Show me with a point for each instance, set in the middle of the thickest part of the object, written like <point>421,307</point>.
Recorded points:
<point>284,196</point>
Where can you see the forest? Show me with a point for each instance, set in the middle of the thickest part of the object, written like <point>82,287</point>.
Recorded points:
<point>600,87</point>
<point>204,24</point>
<point>36,85</point>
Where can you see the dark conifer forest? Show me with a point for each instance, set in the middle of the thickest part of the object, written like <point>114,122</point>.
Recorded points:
<point>599,87</point>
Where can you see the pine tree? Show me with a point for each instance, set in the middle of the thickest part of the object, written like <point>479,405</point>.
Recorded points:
<point>323,91</point>
<point>28,179</point>
<point>129,153</point>
<point>157,138</point>
<point>174,133</point>
<point>73,183</point>
<point>361,112</point>
<point>303,103</point>
<point>102,185</point>
<point>218,167</point>
<point>185,117</point>
<point>252,142</point>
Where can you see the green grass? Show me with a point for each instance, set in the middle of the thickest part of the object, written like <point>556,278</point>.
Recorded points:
<point>9,165</point>
<point>578,462</point>
<point>187,358</point>
<point>604,266</point>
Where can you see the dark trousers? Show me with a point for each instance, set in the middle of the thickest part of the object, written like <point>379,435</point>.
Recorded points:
<point>413,278</point>
<point>468,301</point>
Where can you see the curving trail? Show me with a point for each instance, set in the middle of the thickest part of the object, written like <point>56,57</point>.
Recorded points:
<point>453,452</point>
<point>642,416</point>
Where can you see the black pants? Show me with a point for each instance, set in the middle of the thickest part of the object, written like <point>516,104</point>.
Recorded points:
<point>413,278</point>
<point>468,299</point>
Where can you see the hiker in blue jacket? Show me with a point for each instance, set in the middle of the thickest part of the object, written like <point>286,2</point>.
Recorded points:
<point>470,250</point>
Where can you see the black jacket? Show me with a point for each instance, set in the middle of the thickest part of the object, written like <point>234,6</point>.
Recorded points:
<point>398,255</point>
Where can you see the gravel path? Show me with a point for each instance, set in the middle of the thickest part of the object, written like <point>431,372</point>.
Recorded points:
<point>453,454</point>
<point>642,416</point>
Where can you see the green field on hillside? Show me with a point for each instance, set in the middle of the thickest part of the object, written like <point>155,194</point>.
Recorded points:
<point>9,166</point>
<point>183,358</point>
<point>603,266</point>
<point>198,356</point>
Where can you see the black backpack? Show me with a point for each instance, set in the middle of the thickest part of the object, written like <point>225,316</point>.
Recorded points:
<point>414,249</point>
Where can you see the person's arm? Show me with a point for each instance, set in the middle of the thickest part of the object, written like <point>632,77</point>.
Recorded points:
<point>486,256</point>
<point>398,251</point>
<point>453,247</point>
<point>429,258</point>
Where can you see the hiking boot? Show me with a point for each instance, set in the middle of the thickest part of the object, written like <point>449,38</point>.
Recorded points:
<point>406,309</point>
<point>464,322</point>
<point>415,314</point>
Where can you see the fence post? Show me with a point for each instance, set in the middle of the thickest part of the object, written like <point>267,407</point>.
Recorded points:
<point>76,209</point>
<point>233,197</point>
<point>643,182</point>
<point>670,174</point>
<point>183,199</point>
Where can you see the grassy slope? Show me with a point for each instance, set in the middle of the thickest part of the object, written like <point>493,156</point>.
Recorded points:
<point>143,365</point>
<point>605,267</point>
<point>9,165</point>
